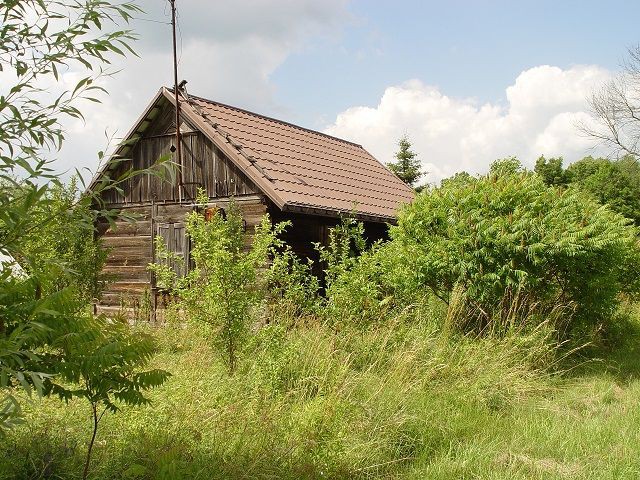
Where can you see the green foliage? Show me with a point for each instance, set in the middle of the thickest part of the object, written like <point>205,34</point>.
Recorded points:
<point>103,365</point>
<point>66,352</point>
<point>48,258</point>
<point>291,288</point>
<point>40,40</point>
<point>398,401</point>
<point>352,274</point>
<point>407,166</point>
<point>507,234</point>
<point>615,183</point>
<point>361,294</point>
<point>551,171</point>
<point>346,242</point>
<point>67,247</point>
<point>223,290</point>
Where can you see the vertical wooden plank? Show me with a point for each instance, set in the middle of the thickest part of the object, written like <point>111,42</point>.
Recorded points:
<point>179,247</point>
<point>134,192</point>
<point>175,242</point>
<point>221,175</point>
<point>152,276</point>
<point>211,156</point>
<point>198,163</point>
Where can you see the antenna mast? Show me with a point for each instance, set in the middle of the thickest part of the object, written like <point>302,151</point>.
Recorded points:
<point>177,99</point>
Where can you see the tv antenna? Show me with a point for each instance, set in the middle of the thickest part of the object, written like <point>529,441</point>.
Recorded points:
<point>176,90</point>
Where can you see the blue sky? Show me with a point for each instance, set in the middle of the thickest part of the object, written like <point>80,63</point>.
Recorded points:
<point>467,48</point>
<point>467,81</point>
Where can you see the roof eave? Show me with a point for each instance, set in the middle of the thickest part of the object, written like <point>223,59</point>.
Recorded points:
<point>337,213</point>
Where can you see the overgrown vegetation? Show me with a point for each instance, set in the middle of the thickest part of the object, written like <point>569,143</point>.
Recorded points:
<point>403,400</point>
<point>444,342</point>
<point>50,343</point>
<point>223,288</point>
<point>494,335</point>
<point>615,183</point>
<point>506,237</point>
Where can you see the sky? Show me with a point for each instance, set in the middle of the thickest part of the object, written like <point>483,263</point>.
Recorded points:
<point>467,81</point>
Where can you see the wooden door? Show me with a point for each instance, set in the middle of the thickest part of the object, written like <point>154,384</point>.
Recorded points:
<point>176,243</point>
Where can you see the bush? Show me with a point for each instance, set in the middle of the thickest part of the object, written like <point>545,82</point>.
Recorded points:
<point>223,289</point>
<point>506,235</point>
<point>356,293</point>
<point>291,288</point>
<point>65,247</point>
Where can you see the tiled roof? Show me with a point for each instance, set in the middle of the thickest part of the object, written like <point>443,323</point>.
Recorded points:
<point>302,168</point>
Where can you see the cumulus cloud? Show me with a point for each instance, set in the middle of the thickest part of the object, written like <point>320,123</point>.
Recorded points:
<point>453,134</point>
<point>227,51</point>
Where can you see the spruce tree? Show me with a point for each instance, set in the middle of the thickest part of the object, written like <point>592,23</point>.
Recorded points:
<point>407,166</point>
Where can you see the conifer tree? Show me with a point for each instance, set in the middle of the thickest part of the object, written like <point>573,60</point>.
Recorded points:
<point>407,165</point>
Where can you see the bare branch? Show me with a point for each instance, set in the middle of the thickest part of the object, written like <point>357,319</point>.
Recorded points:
<point>615,107</point>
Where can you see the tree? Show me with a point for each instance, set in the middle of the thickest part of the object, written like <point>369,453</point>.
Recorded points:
<point>43,329</point>
<point>67,245</point>
<point>506,235</point>
<point>615,183</point>
<point>616,110</point>
<point>551,171</point>
<point>103,365</point>
<point>407,167</point>
<point>223,288</point>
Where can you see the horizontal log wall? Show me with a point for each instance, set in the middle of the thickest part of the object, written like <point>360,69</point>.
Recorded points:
<point>130,248</point>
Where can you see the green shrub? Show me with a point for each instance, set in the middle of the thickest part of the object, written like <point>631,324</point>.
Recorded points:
<point>65,248</point>
<point>356,293</point>
<point>359,295</point>
<point>507,236</point>
<point>291,288</point>
<point>223,290</point>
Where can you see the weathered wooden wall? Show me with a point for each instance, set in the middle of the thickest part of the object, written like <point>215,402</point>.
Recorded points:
<point>130,247</point>
<point>203,165</point>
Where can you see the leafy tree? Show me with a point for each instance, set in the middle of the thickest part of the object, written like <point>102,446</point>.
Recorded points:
<point>223,289</point>
<point>67,247</point>
<point>615,183</point>
<point>40,316</point>
<point>407,166</point>
<point>507,234</point>
<point>551,171</point>
<point>460,177</point>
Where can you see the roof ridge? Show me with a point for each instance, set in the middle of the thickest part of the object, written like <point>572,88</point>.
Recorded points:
<point>266,117</point>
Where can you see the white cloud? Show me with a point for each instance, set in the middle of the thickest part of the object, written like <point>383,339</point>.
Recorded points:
<point>455,134</point>
<point>227,51</point>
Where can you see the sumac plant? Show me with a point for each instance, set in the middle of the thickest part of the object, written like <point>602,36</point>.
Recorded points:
<point>508,234</point>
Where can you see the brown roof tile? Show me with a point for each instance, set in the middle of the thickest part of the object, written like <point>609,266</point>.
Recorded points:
<point>301,167</point>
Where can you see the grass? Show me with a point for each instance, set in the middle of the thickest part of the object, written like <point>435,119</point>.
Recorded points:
<point>400,401</point>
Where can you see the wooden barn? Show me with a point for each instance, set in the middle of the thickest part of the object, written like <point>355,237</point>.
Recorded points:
<point>265,165</point>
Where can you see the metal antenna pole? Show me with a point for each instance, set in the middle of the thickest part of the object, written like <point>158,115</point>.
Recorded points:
<point>175,91</point>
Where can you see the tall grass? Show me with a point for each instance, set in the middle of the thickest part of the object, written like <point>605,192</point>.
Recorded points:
<point>306,402</point>
<point>409,398</point>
